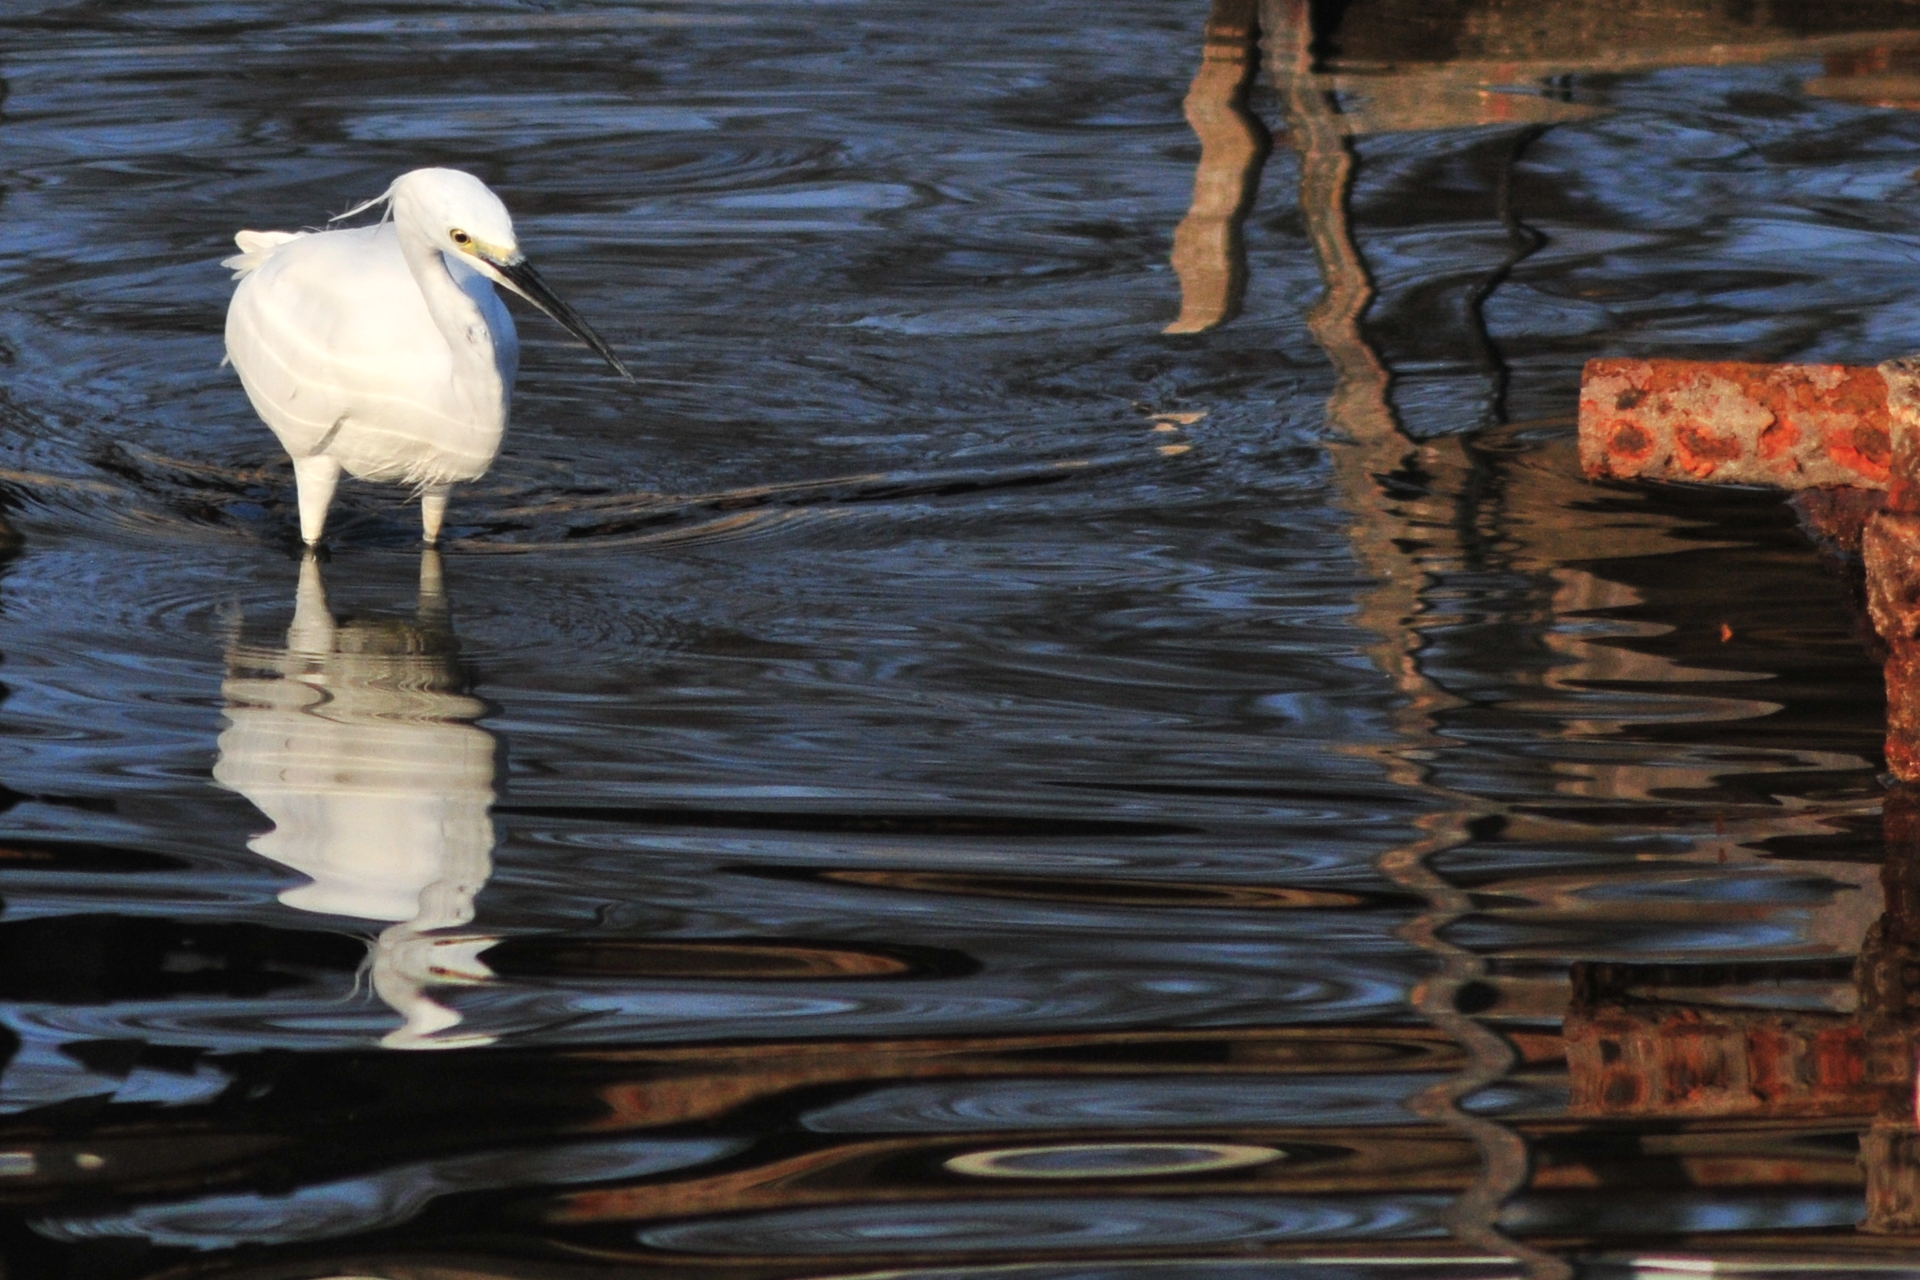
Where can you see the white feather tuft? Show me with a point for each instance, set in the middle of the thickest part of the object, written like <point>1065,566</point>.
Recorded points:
<point>255,248</point>
<point>385,197</point>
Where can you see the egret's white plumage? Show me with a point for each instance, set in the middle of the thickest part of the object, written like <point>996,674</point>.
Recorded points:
<point>383,351</point>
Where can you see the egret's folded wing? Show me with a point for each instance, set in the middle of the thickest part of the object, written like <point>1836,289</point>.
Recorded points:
<point>331,329</point>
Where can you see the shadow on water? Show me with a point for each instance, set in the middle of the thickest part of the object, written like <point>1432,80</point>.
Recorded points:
<point>960,772</point>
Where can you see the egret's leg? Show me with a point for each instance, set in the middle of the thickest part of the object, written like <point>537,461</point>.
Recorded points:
<point>433,509</point>
<point>315,477</point>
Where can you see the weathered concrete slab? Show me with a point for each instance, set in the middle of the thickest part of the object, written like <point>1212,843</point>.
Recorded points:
<point>1725,422</point>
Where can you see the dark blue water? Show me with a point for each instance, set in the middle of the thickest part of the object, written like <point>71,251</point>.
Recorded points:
<point>939,773</point>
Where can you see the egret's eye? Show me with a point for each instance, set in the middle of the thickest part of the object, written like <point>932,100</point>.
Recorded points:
<point>460,237</point>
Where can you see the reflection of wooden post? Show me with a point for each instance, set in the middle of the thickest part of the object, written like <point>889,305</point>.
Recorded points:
<point>1359,409</point>
<point>1209,253</point>
<point>1400,542</point>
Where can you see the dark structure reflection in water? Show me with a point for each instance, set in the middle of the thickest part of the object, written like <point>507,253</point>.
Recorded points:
<point>990,783</point>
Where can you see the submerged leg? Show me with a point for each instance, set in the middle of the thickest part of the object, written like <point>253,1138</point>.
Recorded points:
<point>315,477</point>
<point>433,509</point>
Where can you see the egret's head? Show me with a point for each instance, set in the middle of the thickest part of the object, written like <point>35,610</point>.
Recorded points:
<point>457,210</point>
<point>458,214</point>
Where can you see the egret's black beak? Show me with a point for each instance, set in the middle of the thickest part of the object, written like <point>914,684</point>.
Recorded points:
<point>525,281</point>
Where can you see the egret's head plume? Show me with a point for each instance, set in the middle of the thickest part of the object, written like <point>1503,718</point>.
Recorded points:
<point>385,198</point>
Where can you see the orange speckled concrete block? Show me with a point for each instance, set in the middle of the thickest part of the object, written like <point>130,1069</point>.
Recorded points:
<point>1786,426</point>
<point>1890,549</point>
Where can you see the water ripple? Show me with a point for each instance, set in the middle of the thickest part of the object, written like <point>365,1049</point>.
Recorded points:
<point>1008,1225</point>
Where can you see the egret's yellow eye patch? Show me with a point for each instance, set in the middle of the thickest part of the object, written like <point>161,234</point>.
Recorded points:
<point>474,247</point>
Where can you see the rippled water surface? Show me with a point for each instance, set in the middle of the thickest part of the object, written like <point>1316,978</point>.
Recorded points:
<point>940,773</point>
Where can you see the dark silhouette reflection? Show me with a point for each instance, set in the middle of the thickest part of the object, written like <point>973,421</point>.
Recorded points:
<point>357,740</point>
<point>1752,1042</point>
<point>1888,976</point>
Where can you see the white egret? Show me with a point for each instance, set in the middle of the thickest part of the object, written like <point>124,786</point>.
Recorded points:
<point>383,351</point>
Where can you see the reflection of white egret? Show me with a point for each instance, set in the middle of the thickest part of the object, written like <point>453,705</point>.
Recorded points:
<point>357,742</point>
<point>383,351</point>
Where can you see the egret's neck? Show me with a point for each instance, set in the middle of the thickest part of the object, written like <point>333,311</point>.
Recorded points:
<point>476,370</point>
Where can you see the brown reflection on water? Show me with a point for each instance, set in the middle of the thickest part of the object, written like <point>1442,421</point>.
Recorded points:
<point>1209,248</point>
<point>1398,544</point>
<point>410,1108</point>
<point>1884,75</point>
